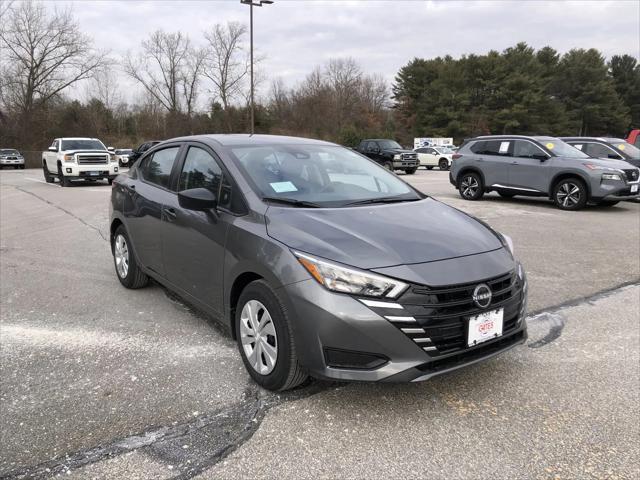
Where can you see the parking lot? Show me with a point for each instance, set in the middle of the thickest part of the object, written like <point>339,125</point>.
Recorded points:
<point>103,382</point>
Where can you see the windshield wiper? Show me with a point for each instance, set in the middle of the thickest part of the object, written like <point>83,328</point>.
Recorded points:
<point>382,200</point>
<point>292,201</point>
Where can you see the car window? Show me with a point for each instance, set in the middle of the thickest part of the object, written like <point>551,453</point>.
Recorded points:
<point>200,170</point>
<point>54,144</point>
<point>157,167</point>
<point>431,151</point>
<point>631,150</point>
<point>598,150</point>
<point>82,144</point>
<point>492,147</point>
<point>524,149</point>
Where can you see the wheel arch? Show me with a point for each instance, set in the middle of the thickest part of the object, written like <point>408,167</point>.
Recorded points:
<point>238,285</point>
<point>565,175</point>
<point>466,170</point>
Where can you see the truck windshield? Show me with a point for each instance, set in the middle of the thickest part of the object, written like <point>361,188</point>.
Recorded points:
<point>82,144</point>
<point>388,144</point>
<point>8,151</point>
<point>327,176</point>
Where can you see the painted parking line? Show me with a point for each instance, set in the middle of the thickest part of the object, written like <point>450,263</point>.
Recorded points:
<point>42,181</point>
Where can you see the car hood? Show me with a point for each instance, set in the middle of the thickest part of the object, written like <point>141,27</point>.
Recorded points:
<point>397,150</point>
<point>606,162</point>
<point>382,235</point>
<point>70,152</point>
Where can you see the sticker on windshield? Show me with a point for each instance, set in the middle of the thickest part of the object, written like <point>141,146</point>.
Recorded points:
<point>550,145</point>
<point>281,187</point>
<point>504,147</point>
<point>621,146</point>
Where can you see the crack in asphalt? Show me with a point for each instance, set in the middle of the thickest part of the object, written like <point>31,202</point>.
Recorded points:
<point>81,220</point>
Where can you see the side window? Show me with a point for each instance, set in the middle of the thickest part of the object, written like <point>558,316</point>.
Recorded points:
<point>431,151</point>
<point>55,144</point>
<point>421,150</point>
<point>157,167</point>
<point>497,147</point>
<point>598,150</point>
<point>200,171</point>
<point>527,150</point>
<point>478,147</point>
<point>372,146</point>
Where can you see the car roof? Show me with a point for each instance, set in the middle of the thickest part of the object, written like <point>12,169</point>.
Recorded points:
<point>246,139</point>
<point>497,137</point>
<point>77,138</point>
<point>593,139</point>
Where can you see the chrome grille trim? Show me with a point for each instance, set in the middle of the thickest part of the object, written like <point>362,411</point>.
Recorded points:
<point>378,304</point>
<point>400,319</point>
<point>412,330</point>
<point>92,159</point>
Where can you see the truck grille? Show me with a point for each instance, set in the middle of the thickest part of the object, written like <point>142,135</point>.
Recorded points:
<point>438,317</point>
<point>409,156</point>
<point>93,159</point>
<point>632,174</point>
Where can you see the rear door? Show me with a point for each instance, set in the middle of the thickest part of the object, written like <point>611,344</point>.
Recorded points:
<point>493,158</point>
<point>529,170</point>
<point>194,241</point>
<point>146,190</point>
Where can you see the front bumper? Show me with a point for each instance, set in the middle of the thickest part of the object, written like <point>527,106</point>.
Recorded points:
<point>6,162</point>
<point>327,322</point>
<point>614,191</point>
<point>100,171</point>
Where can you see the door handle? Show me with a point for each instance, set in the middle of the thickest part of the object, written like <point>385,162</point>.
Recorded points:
<point>170,213</point>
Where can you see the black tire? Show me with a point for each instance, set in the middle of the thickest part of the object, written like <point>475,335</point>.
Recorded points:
<point>471,186</point>
<point>287,372</point>
<point>16,167</point>
<point>47,175</point>
<point>22,167</point>
<point>608,203</point>
<point>410,171</point>
<point>443,164</point>
<point>388,166</point>
<point>506,195</point>
<point>570,194</point>
<point>429,168</point>
<point>64,181</point>
<point>134,277</point>
<point>110,181</point>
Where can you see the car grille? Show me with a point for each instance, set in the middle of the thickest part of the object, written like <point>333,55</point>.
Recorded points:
<point>441,314</point>
<point>409,156</point>
<point>92,159</point>
<point>632,174</point>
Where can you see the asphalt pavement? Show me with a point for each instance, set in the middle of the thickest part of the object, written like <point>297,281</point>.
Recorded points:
<point>100,382</point>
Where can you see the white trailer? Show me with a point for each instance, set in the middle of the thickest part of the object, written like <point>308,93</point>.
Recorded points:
<point>432,142</point>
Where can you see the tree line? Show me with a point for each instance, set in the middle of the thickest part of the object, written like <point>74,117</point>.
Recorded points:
<point>191,87</point>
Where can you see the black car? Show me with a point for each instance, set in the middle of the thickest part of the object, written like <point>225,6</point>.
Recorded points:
<point>610,148</point>
<point>389,154</point>
<point>138,152</point>
<point>319,261</point>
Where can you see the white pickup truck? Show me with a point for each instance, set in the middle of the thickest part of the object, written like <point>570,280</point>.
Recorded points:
<point>78,159</point>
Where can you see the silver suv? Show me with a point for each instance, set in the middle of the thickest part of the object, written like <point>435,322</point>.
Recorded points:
<point>541,167</point>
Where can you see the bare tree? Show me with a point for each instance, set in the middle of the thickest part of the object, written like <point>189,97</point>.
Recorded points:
<point>104,87</point>
<point>45,53</point>
<point>227,64</point>
<point>169,70</point>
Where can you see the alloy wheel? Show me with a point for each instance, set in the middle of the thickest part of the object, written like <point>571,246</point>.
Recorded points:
<point>568,194</point>
<point>121,254</point>
<point>469,186</point>
<point>258,337</point>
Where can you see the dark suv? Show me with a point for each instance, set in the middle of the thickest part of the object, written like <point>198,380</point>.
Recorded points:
<point>610,148</point>
<point>319,261</point>
<point>541,167</point>
<point>389,154</point>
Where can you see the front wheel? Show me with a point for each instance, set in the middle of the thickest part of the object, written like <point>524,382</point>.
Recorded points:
<point>471,187</point>
<point>443,164</point>
<point>64,181</point>
<point>127,267</point>
<point>265,339</point>
<point>570,194</point>
<point>410,171</point>
<point>388,166</point>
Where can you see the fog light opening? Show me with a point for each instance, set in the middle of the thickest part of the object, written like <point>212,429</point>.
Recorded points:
<point>69,170</point>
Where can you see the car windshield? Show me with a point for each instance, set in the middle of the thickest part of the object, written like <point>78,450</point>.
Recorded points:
<point>82,144</point>
<point>8,151</point>
<point>327,176</point>
<point>630,150</point>
<point>388,144</point>
<point>561,149</point>
<point>126,151</point>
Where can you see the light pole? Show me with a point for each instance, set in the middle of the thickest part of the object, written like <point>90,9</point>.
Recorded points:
<point>251,3</point>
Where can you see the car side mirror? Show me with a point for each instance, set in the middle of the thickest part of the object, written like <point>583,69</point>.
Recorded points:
<point>199,199</point>
<point>111,149</point>
<point>52,149</point>
<point>542,158</point>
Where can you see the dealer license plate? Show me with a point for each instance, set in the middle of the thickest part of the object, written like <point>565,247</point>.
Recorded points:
<point>634,188</point>
<point>94,174</point>
<point>485,326</point>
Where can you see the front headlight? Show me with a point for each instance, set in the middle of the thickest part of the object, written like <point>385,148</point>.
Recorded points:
<point>113,158</point>
<point>507,242</point>
<point>397,156</point>
<point>69,158</point>
<point>611,176</point>
<point>346,280</point>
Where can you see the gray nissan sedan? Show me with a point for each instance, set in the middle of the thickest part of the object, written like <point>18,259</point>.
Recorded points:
<point>320,262</point>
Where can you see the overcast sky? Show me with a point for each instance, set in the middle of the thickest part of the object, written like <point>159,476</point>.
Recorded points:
<point>296,35</point>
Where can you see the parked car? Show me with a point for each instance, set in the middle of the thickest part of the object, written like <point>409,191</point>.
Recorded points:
<point>319,261</point>
<point>77,158</point>
<point>11,158</point>
<point>138,152</point>
<point>634,138</point>
<point>430,157</point>
<point>611,148</point>
<point>122,156</point>
<point>541,167</point>
<point>389,154</point>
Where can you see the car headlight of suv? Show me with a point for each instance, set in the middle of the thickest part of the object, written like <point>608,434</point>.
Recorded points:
<point>611,176</point>
<point>397,156</point>
<point>347,280</point>
<point>69,158</point>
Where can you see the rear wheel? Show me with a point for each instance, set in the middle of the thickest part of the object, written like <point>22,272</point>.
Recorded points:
<point>127,268</point>
<point>47,175</point>
<point>410,171</point>
<point>388,166</point>
<point>443,164</point>
<point>471,187</point>
<point>22,167</point>
<point>265,338</point>
<point>570,194</point>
